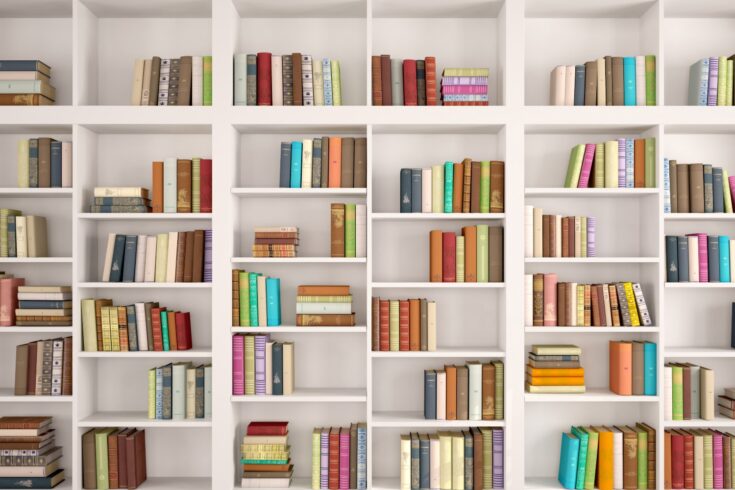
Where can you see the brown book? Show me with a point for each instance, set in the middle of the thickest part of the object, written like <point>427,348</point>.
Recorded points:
<point>270,468</point>
<point>488,391</point>
<point>198,267</point>
<point>155,78</point>
<point>338,229</point>
<point>66,374</point>
<point>618,82</point>
<point>236,297</point>
<point>638,371</point>
<point>538,300</point>
<point>565,236</point>
<point>323,290</point>
<point>298,95</point>
<point>674,186</point>
<point>561,304</point>
<point>21,370</point>
<point>497,187</point>
<point>24,99</point>
<point>545,235</point>
<point>98,305</point>
<point>667,459</point>
<point>360,172</point>
<point>651,452</point>
<point>727,455</point>
<point>552,236</point>
<point>495,244</point>
<point>325,162</point>
<point>470,253</point>
<point>466,184</point>
<point>89,463</point>
<point>463,379</point>
<point>375,323</point>
<point>122,456</point>
<point>32,363</point>
<point>601,304</point>
<point>172,340</point>
<point>590,83</point>
<point>414,324</point>
<point>477,458</point>
<point>475,188</point>
<point>630,457</point>
<point>385,79</point>
<point>157,202</point>
<point>682,188</point>
<point>377,82</point>
<point>435,256</point>
<point>608,81</point>
<point>614,308</point>
<point>457,188</point>
<point>112,463</point>
<point>136,460</point>
<point>595,306</point>
<point>180,257</point>
<point>696,188</point>
<point>44,162</point>
<point>324,320</point>
<point>183,186</point>
<point>639,163</point>
<point>451,392</point>
<point>189,256</point>
<point>687,387</point>
<point>348,162</point>
<point>184,95</point>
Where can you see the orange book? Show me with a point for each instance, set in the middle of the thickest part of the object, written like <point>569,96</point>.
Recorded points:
<point>414,324</point>
<point>639,163</point>
<point>172,343</point>
<point>335,161</point>
<point>556,380</point>
<point>457,189</point>
<point>470,253</point>
<point>435,256</point>
<point>451,392</point>
<point>621,367</point>
<point>157,202</point>
<point>605,458</point>
<point>556,372</point>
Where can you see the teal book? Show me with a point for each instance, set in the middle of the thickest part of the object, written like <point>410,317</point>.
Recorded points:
<point>483,271</point>
<point>649,369</point>
<point>724,258</point>
<point>253,287</point>
<point>448,186</point>
<point>273,300</point>
<point>164,330</point>
<point>350,230</point>
<point>568,459</point>
<point>296,149</point>
<point>582,459</point>
<point>629,80</point>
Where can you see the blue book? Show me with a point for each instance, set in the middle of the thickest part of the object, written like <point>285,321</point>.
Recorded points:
<point>167,374</point>
<point>424,463</point>
<point>629,80</point>
<point>683,259</point>
<point>159,393</point>
<point>713,258</point>
<point>253,290</point>
<point>50,481</point>
<point>117,259</point>
<point>405,190</point>
<point>724,247</point>
<point>12,249</point>
<point>718,199</point>
<point>361,456</point>
<point>672,258</point>
<point>327,76</point>
<point>55,163</point>
<point>285,180</point>
<point>415,462</point>
<point>273,300</point>
<point>131,247</point>
<point>415,190</point>
<point>24,65</point>
<point>132,328</point>
<point>164,330</point>
<point>649,369</point>
<point>430,394</point>
<point>448,186</point>
<point>568,460</point>
<point>469,458</point>
<point>579,85</point>
<point>277,368</point>
<point>699,82</point>
<point>296,149</point>
<point>42,304</point>
<point>583,437</point>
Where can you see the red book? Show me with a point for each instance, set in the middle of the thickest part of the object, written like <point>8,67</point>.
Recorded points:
<point>403,324</point>
<point>264,79</point>
<point>430,67</point>
<point>688,460</point>
<point>677,460</point>
<point>205,185</point>
<point>449,257</point>
<point>156,328</point>
<point>9,300</point>
<point>267,428</point>
<point>183,331</point>
<point>384,325</point>
<point>333,472</point>
<point>410,95</point>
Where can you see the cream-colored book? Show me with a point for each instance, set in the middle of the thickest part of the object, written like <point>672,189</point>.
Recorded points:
<point>269,368</point>
<point>107,265</point>
<point>528,230</point>
<point>554,389</point>
<point>601,90</point>
<point>557,236</point>
<point>569,85</point>
<point>475,390</point>
<point>528,299</point>
<point>318,73</point>
<point>21,237</point>
<point>191,389</point>
<point>142,327</point>
<point>161,256</point>
<point>406,462</point>
<point>66,164</point>
<point>431,326</point>
<point>457,461</point>
<point>580,306</point>
<point>173,242</point>
<point>89,326</point>
<point>140,258</point>
<point>707,393</point>
<point>611,163</point>
<point>698,458</point>
<point>617,456</point>
<point>120,192</point>
<point>640,80</point>
<point>306,163</point>
<point>152,393</point>
<point>262,308</point>
<point>178,390</point>
<point>114,329</point>
<point>441,396</point>
<point>693,259</point>
<point>277,80</point>
<point>150,259</point>
<point>36,233</point>
<point>137,91</point>
<point>288,364</point>
<point>23,170</point>
<point>606,301</point>
<point>538,232</point>
<point>145,94</point>
<point>445,460</point>
<point>426,182</point>
<point>572,304</point>
<point>316,456</point>
<point>459,262</point>
<point>578,236</point>
<point>434,461</point>
<point>42,312</point>
<point>556,350</point>
<point>437,189</point>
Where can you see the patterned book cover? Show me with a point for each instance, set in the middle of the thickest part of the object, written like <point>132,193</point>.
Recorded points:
<point>238,359</point>
<point>589,155</point>
<point>717,462</point>
<point>57,360</point>
<point>253,291</point>
<point>591,241</point>
<point>336,83</point>
<point>394,308</point>
<point>207,255</point>
<point>316,436</point>
<point>499,390</point>
<point>251,79</point>
<point>287,62</point>
<point>498,451</point>
<point>327,75</point>
<point>260,341</point>
<point>629,163</point>
<point>403,324</point>
<point>361,456</point>
<point>703,257</point>
<point>249,348</point>
<point>621,162</point>
<point>307,79</point>
<point>159,393</point>
<point>344,458</point>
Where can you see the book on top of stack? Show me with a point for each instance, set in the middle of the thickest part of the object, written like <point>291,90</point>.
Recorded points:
<point>554,369</point>
<point>276,241</point>
<point>266,456</point>
<point>29,457</point>
<point>26,82</point>
<point>43,305</point>
<point>465,86</point>
<point>120,200</point>
<point>324,306</point>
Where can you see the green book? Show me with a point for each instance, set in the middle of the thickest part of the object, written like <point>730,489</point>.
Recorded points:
<point>575,166</point>
<point>448,186</point>
<point>253,290</point>
<point>336,83</point>
<point>350,230</point>
<point>599,168</point>
<point>244,300</point>
<point>437,189</point>
<point>206,80</point>
<point>101,457</point>
<point>4,213</point>
<point>708,461</point>
<point>196,180</point>
<point>393,333</point>
<point>650,79</point>
<point>722,80</point>
<point>582,460</point>
<point>650,163</point>
<point>642,459</point>
<point>459,262</point>
<point>677,392</point>
<point>487,457</point>
<point>164,330</point>
<point>728,83</point>
<point>591,464</point>
<point>484,187</point>
<point>483,271</point>
<point>249,365</point>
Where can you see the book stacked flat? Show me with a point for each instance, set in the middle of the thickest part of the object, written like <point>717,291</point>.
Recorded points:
<point>698,257</point>
<point>553,235</point>
<point>467,187</point>
<point>276,241</point>
<point>331,306</point>
<point>172,81</point>
<point>633,368</point>
<point>42,305</point>
<point>348,228</point>
<point>474,391</point>
<point>182,185</point>
<point>550,303</point>
<point>465,86</point>
<point>261,366</point>
<point>726,403</point>
<point>167,257</point>
<point>289,79</point>
<point>113,458</point>
<point>622,163</point>
<point>554,369</point>
<point>29,457</point>
<point>43,368</point>
<point>180,391</point>
<point>22,236</point>
<point>404,82</point>
<point>612,80</point>
<point>403,324</point>
<point>44,162</point>
<point>120,200</point>
<point>339,457</point>
<point>256,299</point>
<point>266,456</point>
<point>475,255</point>
<point>329,161</point>
<point>711,81</point>
<point>618,456</point>
<point>689,392</point>
<point>699,458</point>
<point>26,82</point>
<point>697,188</point>
<point>135,327</point>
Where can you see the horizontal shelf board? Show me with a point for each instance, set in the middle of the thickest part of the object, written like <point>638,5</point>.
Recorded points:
<point>303,395</point>
<point>699,216</point>
<point>145,216</point>
<point>589,192</point>
<point>699,285</point>
<point>592,260</point>
<point>177,483</point>
<point>299,260</point>
<point>684,352</point>
<point>295,329</point>
<point>438,285</point>
<point>597,9</point>
<point>146,8</point>
<point>442,352</point>
<point>437,216</point>
<point>542,483</point>
<point>710,9</point>
<point>287,192</point>
<point>193,353</point>
<point>36,9</point>
<point>298,8</point>
<point>146,285</point>
<point>36,260</point>
<point>416,419</point>
<point>592,395</point>
<point>35,192</point>
<point>137,419</point>
<point>719,421</point>
<point>437,9</point>
<point>634,330</point>
<point>7,396</point>
<point>36,329</point>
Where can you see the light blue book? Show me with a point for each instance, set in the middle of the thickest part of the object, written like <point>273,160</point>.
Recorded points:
<point>327,76</point>
<point>159,393</point>
<point>169,185</point>
<point>253,290</point>
<point>361,456</point>
<point>629,164</point>
<point>273,300</point>
<point>649,369</point>
<point>582,459</point>
<point>667,186</point>
<point>629,80</point>
<point>164,330</point>
<point>698,82</point>
<point>448,186</point>
<point>296,149</point>
<point>568,460</point>
<point>724,258</point>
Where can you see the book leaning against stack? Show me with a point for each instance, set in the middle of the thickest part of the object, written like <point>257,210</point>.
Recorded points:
<point>26,82</point>
<point>29,456</point>
<point>172,81</point>
<point>44,162</point>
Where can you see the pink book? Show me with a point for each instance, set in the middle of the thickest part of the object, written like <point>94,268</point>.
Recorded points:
<point>718,475</point>
<point>9,300</point>
<point>550,300</point>
<point>703,263</point>
<point>731,180</point>
<point>238,375</point>
<point>589,156</point>
<point>464,89</point>
<point>344,458</point>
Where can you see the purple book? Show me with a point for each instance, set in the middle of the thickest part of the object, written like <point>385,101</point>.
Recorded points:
<point>344,458</point>
<point>703,257</point>
<point>498,450</point>
<point>629,163</point>
<point>591,227</point>
<point>713,73</point>
<point>260,341</point>
<point>207,255</point>
<point>589,156</point>
<point>238,375</point>
<point>621,162</point>
<point>324,460</point>
<point>718,476</point>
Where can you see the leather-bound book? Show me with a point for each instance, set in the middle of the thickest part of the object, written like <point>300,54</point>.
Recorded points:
<point>375,323</point>
<point>618,81</point>
<point>157,183</point>
<point>122,457</point>
<point>89,464</point>
<point>325,320</point>
<point>538,300</point>
<point>348,162</point>
<point>414,324</point>
<point>467,184</point>
<point>155,76</point>
<point>198,267</point>
<point>298,96</point>
<point>451,409</point>
<point>21,370</point>
<point>463,380</point>
<point>497,187</point>
<point>475,187</point>
<point>404,317</point>
<point>135,447</point>
<point>545,235</point>
<point>457,188</point>
<point>595,306</point>
<point>112,465</point>
<point>264,75</point>
<point>431,88</point>
<point>639,163</point>
<point>495,244</point>
<point>323,290</point>
<point>477,458</point>
<point>590,83</point>
<point>410,93</point>
<point>377,82</point>
<point>44,162</point>
<point>333,475</point>
<point>360,165</point>
<point>325,163</point>
<point>638,368</point>
<point>172,336</point>
<point>449,257</point>
<point>188,256</point>
<point>470,253</point>
<point>488,391</point>
<point>184,95</point>
<point>696,188</point>
<point>384,325</point>
<point>421,82</point>
<point>183,331</point>
<point>180,257</point>
<point>338,230</point>
<point>386,79</point>
<point>435,256</point>
<point>183,186</point>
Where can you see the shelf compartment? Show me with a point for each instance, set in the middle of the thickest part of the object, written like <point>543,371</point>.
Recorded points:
<point>410,419</point>
<point>593,395</point>
<point>589,192</point>
<point>438,285</point>
<point>719,421</point>
<point>299,260</point>
<point>442,352</point>
<point>138,419</point>
<point>193,354</point>
<point>308,395</point>
<point>591,260</point>
<point>296,329</point>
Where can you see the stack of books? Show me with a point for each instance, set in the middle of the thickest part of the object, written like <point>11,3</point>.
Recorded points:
<point>22,236</point>
<point>698,257</point>
<point>180,391</point>
<point>699,458</point>
<point>697,188</point>
<point>622,163</point>
<point>43,368</point>
<point>348,230</point>
<point>261,366</point>
<point>44,162</point>
<point>403,324</point>
<point>327,297</point>
<point>43,305</point>
<point>30,457</point>
<point>475,255</point>
<point>612,80</point>
<point>689,392</point>
<point>329,161</point>
<point>465,86</point>
<point>726,403</point>
<point>120,200</point>
<point>339,457</point>
<point>553,235</point>
<point>554,369</point>
<point>26,82</point>
<point>471,458</point>
<point>711,81</point>
<point>404,82</point>
<point>276,241</point>
<point>182,185</point>
<point>467,187</point>
<point>474,391</point>
<point>266,456</point>
<point>618,456</point>
<point>113,458</point>
<point>633,367</point>
<point>256,299</point>
<point>172,81</point>
<point>289,79</point>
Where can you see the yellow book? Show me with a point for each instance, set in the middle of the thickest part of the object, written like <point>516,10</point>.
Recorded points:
<point>632,308</point>
<point>555,380</point>
<point>114,329</point>
<point>580,305</point>
<point>605,456</point>
<point>161,256</point>
<point>106,336</point>
<point>566,372</point>
<point>445,461</point>
<point>152,393</point>
<point>457,461</point>
<point>316,455</point>
<point>555,350</point>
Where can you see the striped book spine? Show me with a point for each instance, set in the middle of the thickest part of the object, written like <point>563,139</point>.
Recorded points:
<point>324,459</point>
<point>599,166</point>
<point>667,186</point>
<point>249,369</point>
<point>713,73</point>
<point>459,263</point>
<point>344,459</point>
<point>717,462</point>
<point>260,341</point>
<point>498,468</point>
<point>393,323</point>
<point>361,456</point>
<point>703,257</point>
<point>327,75</point>
<point>591,244</point>
<point>589,155</point>
<point>207,255</point>
<point>629,163</point>
<point>499,390</point>
<point>196,180</point>
<point>621,162</point>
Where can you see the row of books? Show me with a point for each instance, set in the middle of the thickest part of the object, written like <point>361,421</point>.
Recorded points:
<point>475,255</point>
<point>339,457</point>
<point>261,366</point>
<point>697,188</point>
<point>256,299</point>
<point>36,305</point>
<point>466,187</point>
<point>26,82</point>
<point>699,458</point>
<point>172,81</point>
<point>689,392</point>
<point>143,326</point>
<point>166,257</point>
<point>711,81</point>
<point>698,257</point>
<point>633,367</point>
<point>30,457</point>
<point>266,456</point>
<point>289,79</point>
<point>554,369</point>
<point>474,391</point>
<point>180,391</point>
<point>403,324</point>
<point>593,454</point>
<point>404,82</point>
<point>553,235</point>
<point>348,229</point>
<point>621,163</point>
<point>275,241</point>
<point>329,161</point>
<point>550,303</point>
<point>44,368</point>
<point>465,86</point>
<point>332,298</point>
<point>22,236</point>
<point>44,162</point>
<point>113,458</point>
<point>611,80</point>
<point>453,460</point>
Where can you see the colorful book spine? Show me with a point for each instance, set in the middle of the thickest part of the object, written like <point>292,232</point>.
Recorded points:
<point>448,186</point>
<point>344,459</point>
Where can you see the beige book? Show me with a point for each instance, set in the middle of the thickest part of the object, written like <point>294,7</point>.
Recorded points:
<point>441,395</point>
<point>457,461</point>
<point>146,89</point>
<point>577,236</point>
<point>306,163</point>
<point>406,462</point>
<point>262,308</point>
<point>137,92</point>
<point>528,231</point>
<point>556,350</point>
<point>21,237</point>
<point>569,85</point>
<point>89,326</point>
<point>43,289</point>
<point>693,259</point>
<point>23,171</point>
<point>149,274</point>
<point>66,164</point>
<point>698,458</point>
<point>269,368</point>
<point>431,325</point>
<point>121,192</point>
<point>140,258</point>
<point>173,242</point>
<point>554,389</point>
<point>36,233</point>
<point>42,312</point>
<point>606,300</point>
<point>107,265</point>
<point>572,304</point>
<point>538,234</point>
<point>161,254</point>
<point>191,389</point>
<point>558,84</point>
<point>426,190</point>
<point>288,365</point>
<point>445,460</point>
<point>707,393</point>
<point>611,163</point>
<point>601,87</point>
<point>434,461</point>
<point>557,236</point>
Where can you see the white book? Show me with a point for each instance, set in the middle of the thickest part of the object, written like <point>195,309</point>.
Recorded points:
<point>269,368</point>
<point>617,458</point>
<point>707,393</point>
<point>405,462</point>
<point>558,84</point>
<point>557,225</point>
<point>140,252</point>
<point>107,266</point>
<point>426,190</point>
<point>434,462</point>
<point>207,392</point>
<point>318,82</point>
<point>528,299</point>
<point>431,325</point>
<point>169,185</point>
<point>640,80</point>
<point>569,85</point>
<point>173,242</point>
<point>66,164</point>
<point>137,90</point>
<point>361,230</point>
<point>240,75</point>
<point>323,308</point>
<point>441,395</point>
<point>693,258</point>
<point>601,86</point>
<point>475,390</point>
<point>141,326</point>
<point>23,170</point>
<point>573,305</point>
<point>277,79</point>
<point>146,92</point>
<point>538,236</point>
<point>528,237</point>
<point>668,394</point>
<point>21,237</point>
<point>197,81</point>
<point>178,391</point>
<point>306,163</point>
<point>149,274</point>
<point>608,309</point>
<point>163,79</point>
